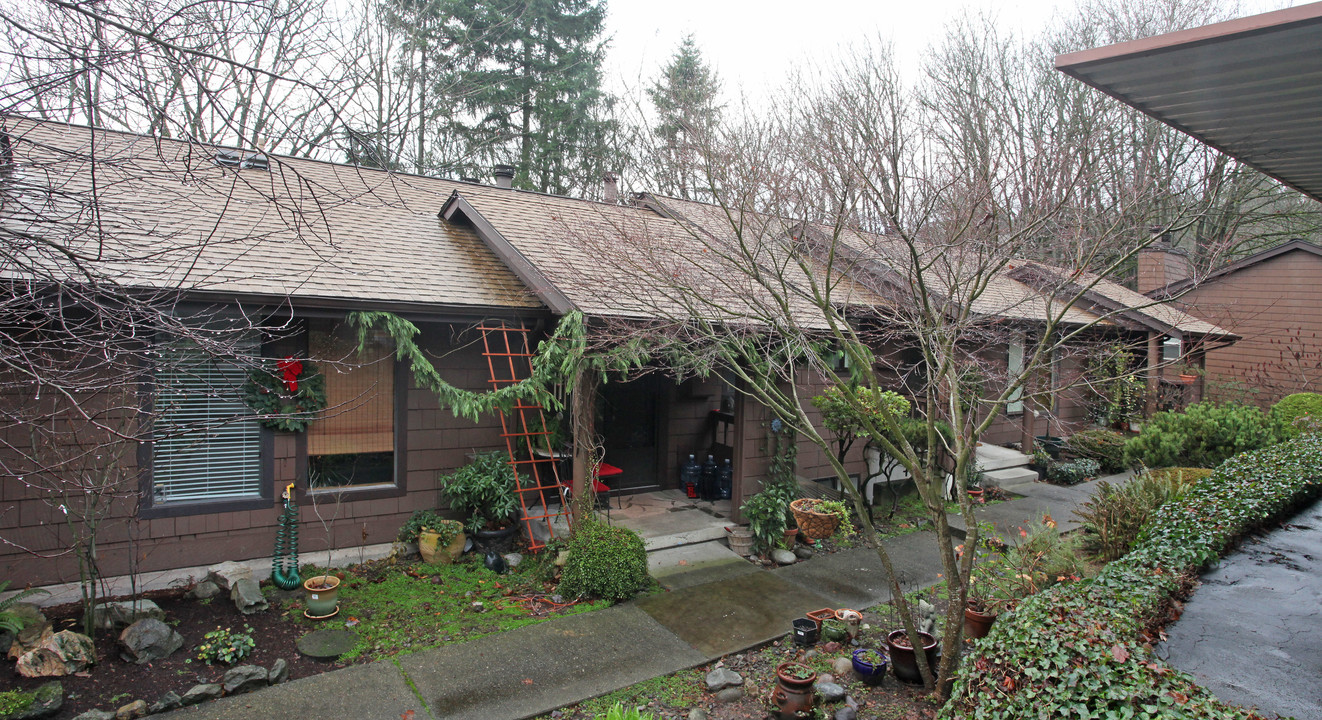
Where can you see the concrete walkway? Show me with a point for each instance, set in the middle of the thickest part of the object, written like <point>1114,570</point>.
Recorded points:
<point>715,603</point>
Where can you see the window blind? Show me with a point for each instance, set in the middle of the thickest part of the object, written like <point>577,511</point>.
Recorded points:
<point>360,395</point>
<point>203,450</point>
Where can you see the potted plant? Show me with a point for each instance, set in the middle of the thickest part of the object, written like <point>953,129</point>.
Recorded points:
<point>852,619</point>
<point>1189,374</point>
<point>484,491</point>
<point>834,630</point>
<point>816,519</point>
<point>323,591</point>
<point>441,542</point>
<point>870,665</point>
<point>794,689</point>
<point>765,513</point>
<point>903,659</point>
<point>979,611</point>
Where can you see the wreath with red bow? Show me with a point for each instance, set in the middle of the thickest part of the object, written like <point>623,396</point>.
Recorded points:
<point>286,394</point>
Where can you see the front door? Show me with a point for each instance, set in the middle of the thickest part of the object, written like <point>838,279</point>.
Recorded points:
<point>628,421</point>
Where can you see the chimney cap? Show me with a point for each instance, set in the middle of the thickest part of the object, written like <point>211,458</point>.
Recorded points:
<point>504,176</point>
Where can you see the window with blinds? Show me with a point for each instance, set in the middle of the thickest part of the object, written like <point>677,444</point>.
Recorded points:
<point>352,443</point>
<point>204,449</point>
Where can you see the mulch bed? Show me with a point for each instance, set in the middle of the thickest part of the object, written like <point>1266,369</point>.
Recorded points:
<point>113,683</point>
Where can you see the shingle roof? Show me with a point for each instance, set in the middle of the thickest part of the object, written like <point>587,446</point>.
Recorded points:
<point>170,217</point>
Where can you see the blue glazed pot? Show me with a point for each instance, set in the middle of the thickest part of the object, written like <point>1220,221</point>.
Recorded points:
<point>870,673</point>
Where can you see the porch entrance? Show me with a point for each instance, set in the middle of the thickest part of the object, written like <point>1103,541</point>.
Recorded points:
<point>630,417</point>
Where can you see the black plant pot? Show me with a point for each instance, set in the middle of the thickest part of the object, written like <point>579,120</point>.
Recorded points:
<point>500,540</point>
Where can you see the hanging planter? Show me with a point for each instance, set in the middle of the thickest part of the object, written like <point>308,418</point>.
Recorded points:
<point>286,394</point>
<point>813,523</point>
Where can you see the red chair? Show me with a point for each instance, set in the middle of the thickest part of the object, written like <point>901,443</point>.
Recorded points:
<point>604,470</point>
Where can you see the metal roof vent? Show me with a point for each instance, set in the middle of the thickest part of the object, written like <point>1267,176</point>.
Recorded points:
<point>504,176</point>
<point>231,158</point>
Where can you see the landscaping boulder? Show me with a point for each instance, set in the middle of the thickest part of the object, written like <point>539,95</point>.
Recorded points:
<point>203,590</point>
<point>279,672</point>
<point>845,713</point>
<point>113,615</point>
<point>729,695</point>
<point>95,714</point>
<point>722,678</point>
<point>247,596</point>
<point>782,556</point>
<point>63,653</point>
<point>133,710</point>
<point>697,713</point>
<point>202,693</point>
<point>147,640</point>
<point>842,668</point>
<point>46,701</point>
<point>830,692</point>
<point>244,678</point>
<point>34,628</point>
<point>803,552</point>
<point>227,573</point>
<point>169,701</point>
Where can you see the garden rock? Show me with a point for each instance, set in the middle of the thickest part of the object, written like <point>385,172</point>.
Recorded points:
<point>47,700</point>
<point>202,693</point>
<point>279,672</point>
<point>244,678</point>
<point>147,640</point>
<point>247,596</point>
<point>783,557</point>
<point>34,629</point>
<point>697,714</point>
<point>113,615</point>
<point>830,692</point>
<point>6,640</point>
<point>169,701</point>
<point>95,714</point>
<point>203,590</point>
<point>512,560</point>
<point>803,552</point>
<point>64,653</point>
<point>729,695</point>
<point>842,667</point>
<point>135,709</point>
<point>722,678</point>
<point>227,573</point>
<point>826,678</point>
<point>846,713</point>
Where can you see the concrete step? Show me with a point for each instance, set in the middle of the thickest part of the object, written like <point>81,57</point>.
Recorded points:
<point>1010,478</point>
<point>995,457</point>
<point>685,537</point>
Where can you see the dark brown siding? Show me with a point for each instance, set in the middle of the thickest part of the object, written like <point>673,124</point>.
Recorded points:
<point>1269,304</point>
<point>437,441</point>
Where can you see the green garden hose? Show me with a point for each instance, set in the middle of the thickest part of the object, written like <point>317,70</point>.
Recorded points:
<point>284,561</point>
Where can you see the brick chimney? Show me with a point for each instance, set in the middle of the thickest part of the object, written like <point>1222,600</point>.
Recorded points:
<point>1161,264</point>
<point>504,176</point>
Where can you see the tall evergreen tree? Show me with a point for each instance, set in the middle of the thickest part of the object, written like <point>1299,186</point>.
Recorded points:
<point>685,97</point>
<point>525,76</point>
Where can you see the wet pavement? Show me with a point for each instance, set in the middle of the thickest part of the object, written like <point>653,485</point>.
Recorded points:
<point>1252,633</point>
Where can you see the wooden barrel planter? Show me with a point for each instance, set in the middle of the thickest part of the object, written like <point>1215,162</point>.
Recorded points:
<point>813,524</point>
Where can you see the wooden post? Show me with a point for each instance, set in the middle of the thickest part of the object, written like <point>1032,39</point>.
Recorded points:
<point>582,414</point>
<point>1028,433</point>
<point>738,485</point>
<point>1154,375</point>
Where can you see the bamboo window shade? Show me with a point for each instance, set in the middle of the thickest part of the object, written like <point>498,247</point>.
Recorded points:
<point>360,394</point>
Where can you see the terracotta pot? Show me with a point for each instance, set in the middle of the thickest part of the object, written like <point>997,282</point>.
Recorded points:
<point>903,660</point>
<point>1188,379</point>
<point>852,619</point>
<point>791,536</point>
<point>433,552</point>
<point>977,624</point>
<point>818,616</point>
<point>793,694</point>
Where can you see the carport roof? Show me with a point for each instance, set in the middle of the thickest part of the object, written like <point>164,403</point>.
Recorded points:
<point>1251,88</point>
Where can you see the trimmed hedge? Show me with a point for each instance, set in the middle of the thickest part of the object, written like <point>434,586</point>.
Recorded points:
<point>1291,408</point>
<point>1076,650</point>
<point>607,562</point>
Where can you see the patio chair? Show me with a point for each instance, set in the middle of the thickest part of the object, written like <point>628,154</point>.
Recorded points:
<point>603,491</point>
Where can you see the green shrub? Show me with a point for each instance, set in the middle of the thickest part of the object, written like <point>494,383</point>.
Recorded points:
<point>1039,559</point>
<point>1290,413</point>
<point>483,490</point>
<point>1072,472</point>
<point>1107,447</point>
<point>1204,435</point>
<point>766,518</point>
<point>1082,646</point>
<point>417,521</point>
<point>604,562</point>
<point>1115,515</point>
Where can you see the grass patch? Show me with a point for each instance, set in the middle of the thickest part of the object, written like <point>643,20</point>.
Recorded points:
<point>680,689</point>
<point>402,609</point>
<point>13,702</point>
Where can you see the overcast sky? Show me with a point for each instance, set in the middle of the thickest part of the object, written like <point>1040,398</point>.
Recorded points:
<point>753,44</point>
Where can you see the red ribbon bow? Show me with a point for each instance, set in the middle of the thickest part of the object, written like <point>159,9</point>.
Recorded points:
<point>290,369</point>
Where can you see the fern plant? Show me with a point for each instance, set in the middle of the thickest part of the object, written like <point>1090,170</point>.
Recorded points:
<point>11,621</point>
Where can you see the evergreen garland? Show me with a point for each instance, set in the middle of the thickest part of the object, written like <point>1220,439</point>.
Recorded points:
<point>268,393</point>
